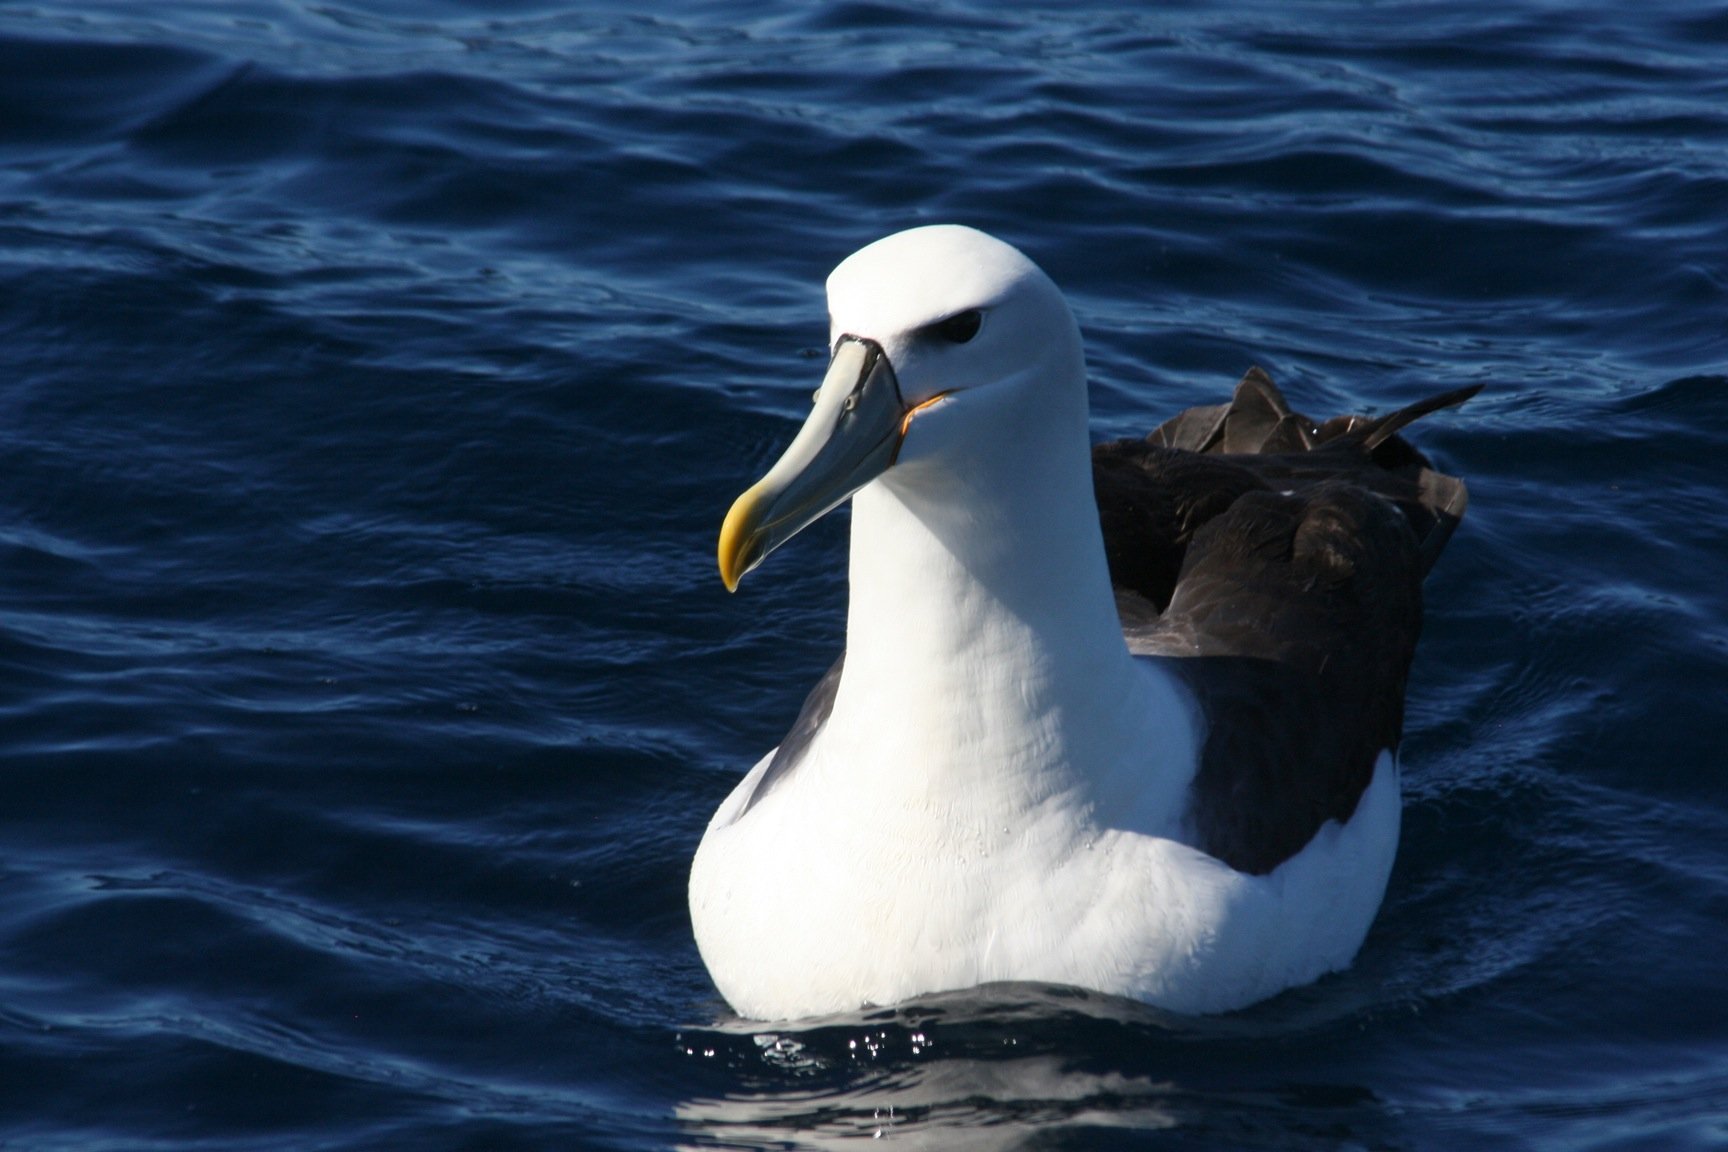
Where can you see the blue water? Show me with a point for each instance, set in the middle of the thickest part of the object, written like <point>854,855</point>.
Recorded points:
<point>374,375</point>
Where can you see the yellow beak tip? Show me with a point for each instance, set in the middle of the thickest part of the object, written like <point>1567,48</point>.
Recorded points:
<point>737,535</point>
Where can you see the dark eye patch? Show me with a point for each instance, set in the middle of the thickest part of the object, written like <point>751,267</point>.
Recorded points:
<point>958,328</point>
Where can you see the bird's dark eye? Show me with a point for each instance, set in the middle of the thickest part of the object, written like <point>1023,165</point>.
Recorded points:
<point>958,328</point>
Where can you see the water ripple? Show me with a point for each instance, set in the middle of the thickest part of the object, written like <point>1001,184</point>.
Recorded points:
<point>375,376</point>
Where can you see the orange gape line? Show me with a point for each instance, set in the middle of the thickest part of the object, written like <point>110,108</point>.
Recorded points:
<point>906,420</point>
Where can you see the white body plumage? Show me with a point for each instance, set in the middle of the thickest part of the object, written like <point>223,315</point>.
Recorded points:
<point>1000,789</point>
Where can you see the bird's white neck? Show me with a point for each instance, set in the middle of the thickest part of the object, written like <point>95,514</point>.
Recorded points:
<point>986,671</point>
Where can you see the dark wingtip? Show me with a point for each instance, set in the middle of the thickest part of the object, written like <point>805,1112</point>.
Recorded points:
<point>1446,498</point>
<point>1383,429</point>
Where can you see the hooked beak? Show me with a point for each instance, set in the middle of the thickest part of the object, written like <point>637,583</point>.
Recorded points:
<point>851,437</point>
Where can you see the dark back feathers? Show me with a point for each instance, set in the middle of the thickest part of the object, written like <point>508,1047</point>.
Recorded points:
<point>1275,565</point>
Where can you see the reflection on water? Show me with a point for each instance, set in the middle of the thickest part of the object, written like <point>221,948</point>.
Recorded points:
<point>997,1067</point>
<point>973,1104</point>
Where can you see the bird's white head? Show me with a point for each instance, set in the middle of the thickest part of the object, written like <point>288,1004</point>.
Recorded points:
<point>941,337</point>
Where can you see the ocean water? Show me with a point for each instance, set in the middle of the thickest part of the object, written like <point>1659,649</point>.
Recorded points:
<point>374,375</point>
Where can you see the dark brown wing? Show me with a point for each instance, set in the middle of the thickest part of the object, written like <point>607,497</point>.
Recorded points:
<point>1275,565</point>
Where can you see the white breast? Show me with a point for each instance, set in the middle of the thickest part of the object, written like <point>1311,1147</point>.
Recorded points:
<point>805,907</point>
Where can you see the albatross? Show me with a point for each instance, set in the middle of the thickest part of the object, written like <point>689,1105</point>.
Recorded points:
<point>1122,718</point>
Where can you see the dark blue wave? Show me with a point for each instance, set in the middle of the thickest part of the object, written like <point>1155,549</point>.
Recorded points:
<point>373,378</point>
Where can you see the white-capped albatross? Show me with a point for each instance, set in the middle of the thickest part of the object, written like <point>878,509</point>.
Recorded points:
<point>1122,718</point>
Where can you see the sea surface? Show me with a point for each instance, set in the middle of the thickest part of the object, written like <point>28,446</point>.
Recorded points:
<point>374,375</point>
